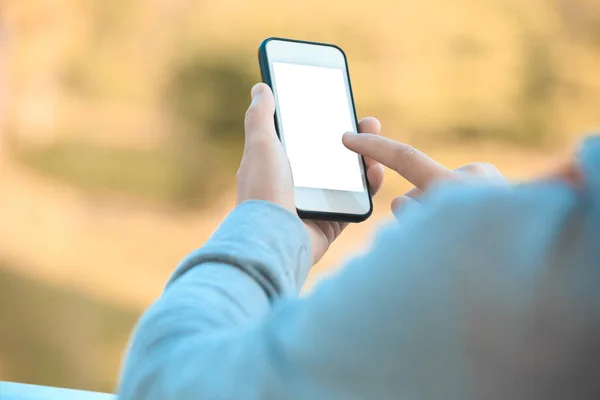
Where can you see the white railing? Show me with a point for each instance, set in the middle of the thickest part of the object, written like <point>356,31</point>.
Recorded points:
<point>20,391</point>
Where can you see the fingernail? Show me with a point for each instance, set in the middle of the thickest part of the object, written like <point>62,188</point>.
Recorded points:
<point>348,137</point>
<point>257,90</point>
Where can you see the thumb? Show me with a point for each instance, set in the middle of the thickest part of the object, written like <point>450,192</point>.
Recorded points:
<point>259,120</point>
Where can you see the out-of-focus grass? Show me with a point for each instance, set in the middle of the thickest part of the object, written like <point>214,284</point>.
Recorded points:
<point>163,177</point>
<point>144,173</point>
<point>56,337</point>
<point>184,178</point>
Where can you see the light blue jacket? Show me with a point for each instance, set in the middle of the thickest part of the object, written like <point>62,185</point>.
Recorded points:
<point>483,292</point>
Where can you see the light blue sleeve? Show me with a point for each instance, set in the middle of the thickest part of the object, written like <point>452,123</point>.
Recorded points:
<point>483,292</point>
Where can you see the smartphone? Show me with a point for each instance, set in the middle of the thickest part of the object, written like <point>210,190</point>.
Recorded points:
<point>314,108</point>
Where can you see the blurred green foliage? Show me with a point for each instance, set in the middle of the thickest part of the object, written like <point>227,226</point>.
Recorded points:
<point>97,169</point>
<point>207,98</point>
<point>196,71</point>
<point>534,105</point>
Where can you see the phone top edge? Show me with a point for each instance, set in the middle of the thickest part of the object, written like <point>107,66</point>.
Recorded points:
<point>264,43</point>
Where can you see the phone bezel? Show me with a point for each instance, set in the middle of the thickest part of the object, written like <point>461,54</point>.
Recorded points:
<point>328,196</point>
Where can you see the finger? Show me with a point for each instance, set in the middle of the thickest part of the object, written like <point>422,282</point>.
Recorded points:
<point>415,166</point>
<point>401,201</point>
<point>369,125</point>
<point>568,171</point>
<point>472,169</point>
<point>373,126</point>
<point>259,122</point>
<point>483,170</point>
<point>401,204</point>
<point>375,177</point>
<point>414,193</point>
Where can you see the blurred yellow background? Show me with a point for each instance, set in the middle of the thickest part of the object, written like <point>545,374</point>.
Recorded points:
<point>121,130</point>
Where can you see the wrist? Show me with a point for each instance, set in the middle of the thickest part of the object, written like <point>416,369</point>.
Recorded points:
<point>264,239</point>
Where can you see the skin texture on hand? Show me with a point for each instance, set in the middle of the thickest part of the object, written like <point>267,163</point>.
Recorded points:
<point>423,172</point>
<point>265,173</point>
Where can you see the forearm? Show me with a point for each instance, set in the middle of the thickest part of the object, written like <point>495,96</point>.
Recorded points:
<point>178,331</point>
<point>218,291</point>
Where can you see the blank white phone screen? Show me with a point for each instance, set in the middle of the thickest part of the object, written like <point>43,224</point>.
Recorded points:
<point>314,111</point>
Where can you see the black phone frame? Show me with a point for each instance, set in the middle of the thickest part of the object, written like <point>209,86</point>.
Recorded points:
<point>266,78</point>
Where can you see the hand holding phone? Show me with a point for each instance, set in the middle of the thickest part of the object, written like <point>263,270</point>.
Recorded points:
<point>314,107</point>
<point>265,173</point>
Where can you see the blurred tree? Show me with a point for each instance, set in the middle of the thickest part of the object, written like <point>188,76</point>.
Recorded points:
<point>208,98</point>
<point>535,102</point>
